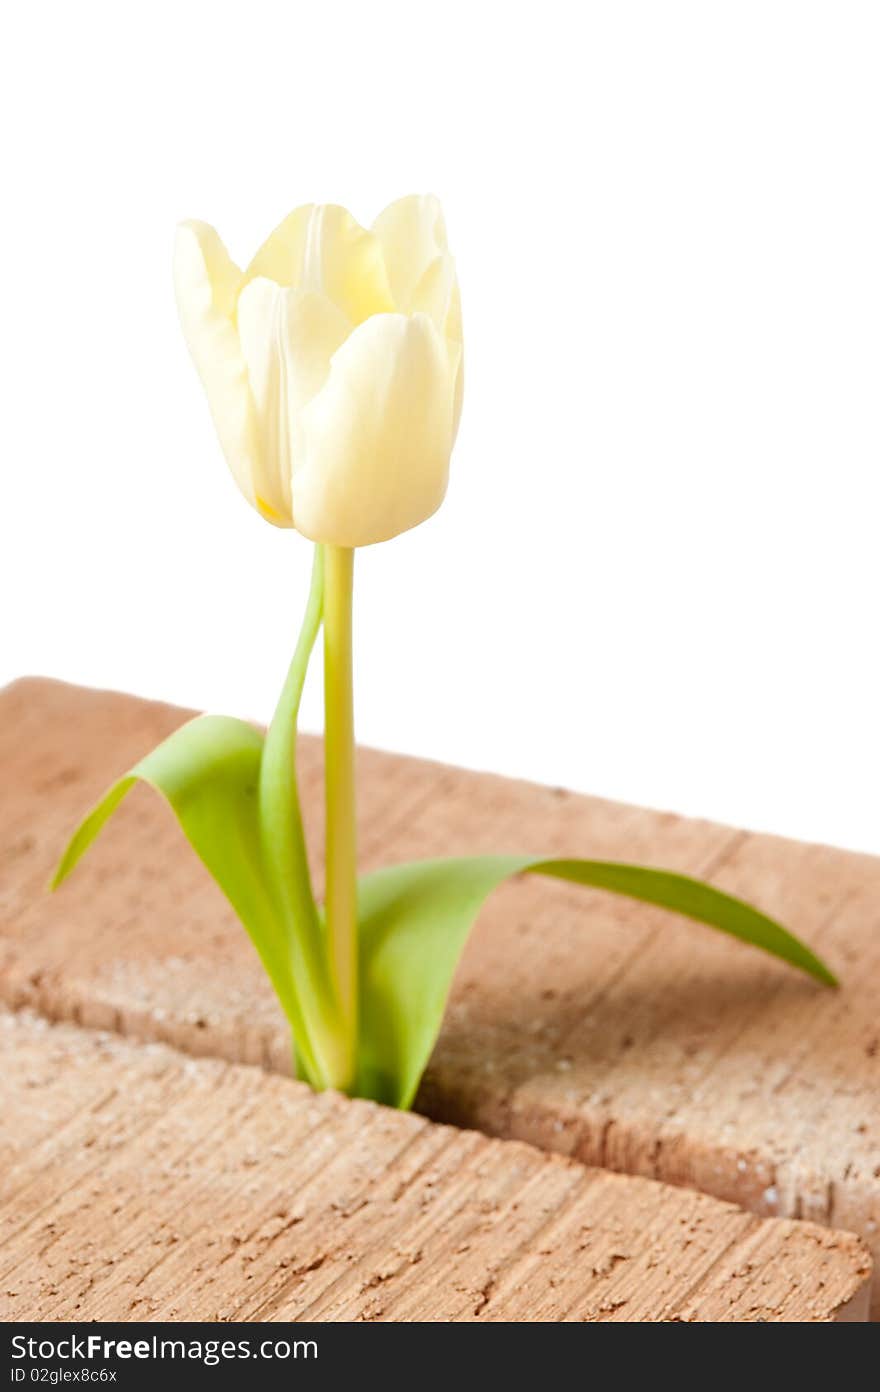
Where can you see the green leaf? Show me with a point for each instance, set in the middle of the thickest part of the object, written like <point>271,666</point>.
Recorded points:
<point>415,919</point>
<point>284,846</point>
<point>208,772</point>
<point>286,861</point>
<point>235,796</point>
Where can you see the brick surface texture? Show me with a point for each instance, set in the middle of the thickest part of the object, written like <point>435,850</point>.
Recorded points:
<point>138,1184</point>
<point>610,1032</point>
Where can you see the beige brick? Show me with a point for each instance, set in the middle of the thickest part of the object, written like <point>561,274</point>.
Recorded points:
<point>140,1184</point>
<point>579,1022</point>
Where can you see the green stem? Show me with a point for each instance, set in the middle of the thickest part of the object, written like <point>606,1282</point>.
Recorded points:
<point>339,776</point>
<point>307,993</point>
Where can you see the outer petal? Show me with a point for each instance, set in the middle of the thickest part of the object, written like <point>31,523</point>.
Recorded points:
<point>375,441</point>
<point>412,234</point>
<point>437,295</point>
<point>206,284</point>
<point>454,335</point>
<point>422,272</point>
<point>287,338</point>
<point>321,247</point>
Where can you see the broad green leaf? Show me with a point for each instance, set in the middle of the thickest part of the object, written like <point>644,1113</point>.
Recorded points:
<point>415,919</point>
<point>208,772</point>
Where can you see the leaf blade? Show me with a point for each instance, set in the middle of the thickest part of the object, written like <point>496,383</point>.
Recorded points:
<point>281,826</point>
<point>285,855</point>
<point>415,920</point>
<point>208,773</point>
<point>694,899</point>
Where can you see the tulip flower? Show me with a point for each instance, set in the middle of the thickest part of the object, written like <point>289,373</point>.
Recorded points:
<point>333,371</point>
<point>332,365</point>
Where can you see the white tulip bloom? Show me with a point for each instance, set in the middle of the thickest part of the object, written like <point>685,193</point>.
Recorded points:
<point>332,365</point>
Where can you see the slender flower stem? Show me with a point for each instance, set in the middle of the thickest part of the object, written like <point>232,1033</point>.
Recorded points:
<point>305,988</point>
<point>341,895</point>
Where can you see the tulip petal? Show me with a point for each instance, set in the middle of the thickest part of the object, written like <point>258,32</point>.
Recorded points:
<point>321,247</point>
<point>206,284</point>
<point>287,338</point>
<point>375,441</point>
<point>280,256</point>
<point>422,272</point>
<point>454,335</point>
<point>437,295</point>
<point>412,235</point>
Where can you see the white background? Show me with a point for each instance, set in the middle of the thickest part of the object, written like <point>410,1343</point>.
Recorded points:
<point>656,573</point>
